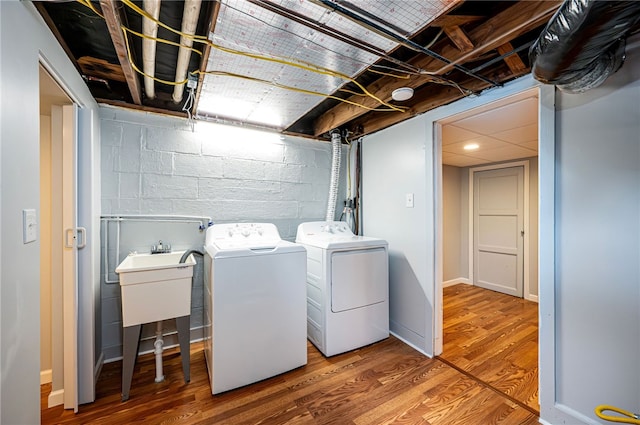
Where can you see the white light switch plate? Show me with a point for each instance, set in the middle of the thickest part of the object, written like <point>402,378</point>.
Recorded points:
<point>29,226</point>
<point>409,200</point>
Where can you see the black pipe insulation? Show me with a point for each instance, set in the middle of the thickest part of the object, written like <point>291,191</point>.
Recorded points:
<point>583,43</point>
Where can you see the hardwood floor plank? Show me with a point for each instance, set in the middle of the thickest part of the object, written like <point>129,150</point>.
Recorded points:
<point>487,375</point>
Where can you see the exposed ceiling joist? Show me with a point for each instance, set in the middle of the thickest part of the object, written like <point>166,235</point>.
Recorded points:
<point>114,22</point>
<point>516,20</point>
<point>438,96</point>
<point>205,54</point>
<point>513,61</point>
<point>459,38</point>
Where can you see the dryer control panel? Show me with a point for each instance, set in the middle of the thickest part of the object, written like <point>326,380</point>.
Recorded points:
<point>318,228</point>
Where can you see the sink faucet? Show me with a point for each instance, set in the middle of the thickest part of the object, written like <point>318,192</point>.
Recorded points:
<point>160,248</point>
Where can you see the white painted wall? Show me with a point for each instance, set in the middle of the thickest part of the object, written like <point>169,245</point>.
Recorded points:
<point>454,252</point>
<point>20,179</point>
<point>153,164</point>
<point>397,161</point>
<point>596,345</point>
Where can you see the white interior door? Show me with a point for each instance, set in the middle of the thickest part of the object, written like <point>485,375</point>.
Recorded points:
<point>70,256</point>
<point>498,235</point>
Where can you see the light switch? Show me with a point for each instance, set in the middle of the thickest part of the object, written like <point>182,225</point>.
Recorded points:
<point>409,200</point>
<point>29,226</point>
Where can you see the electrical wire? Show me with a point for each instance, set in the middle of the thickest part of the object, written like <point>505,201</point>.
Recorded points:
<point>298,64</point>
<point>411,69</point>
<point>296,89</point>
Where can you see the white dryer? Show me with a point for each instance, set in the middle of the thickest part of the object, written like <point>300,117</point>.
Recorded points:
<point>254,304</point>
<point>347,287</point>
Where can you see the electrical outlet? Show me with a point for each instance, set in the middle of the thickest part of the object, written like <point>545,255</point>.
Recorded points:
<point>409,200</point>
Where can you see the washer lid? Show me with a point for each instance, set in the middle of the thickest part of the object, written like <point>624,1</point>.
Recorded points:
<point>333,234</point>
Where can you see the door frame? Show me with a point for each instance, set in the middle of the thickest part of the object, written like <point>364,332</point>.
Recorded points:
<point>525,248</point>
<point>83,317</point>
<point>546,139</point>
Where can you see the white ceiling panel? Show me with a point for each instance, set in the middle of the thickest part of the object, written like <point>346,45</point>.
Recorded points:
<point>452,134</point>
<point>514,115</point>
<point>506,130</point>
<point>519,135</point>
<point>484,143</point>
<point>507,152</point>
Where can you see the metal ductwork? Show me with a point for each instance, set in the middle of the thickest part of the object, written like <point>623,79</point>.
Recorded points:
<point>583,43</point>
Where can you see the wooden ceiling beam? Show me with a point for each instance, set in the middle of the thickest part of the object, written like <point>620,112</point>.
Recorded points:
<point>496,31</point>
<point>112,17</point>
<point>513,61</point>
<point>459,38</point>
<point>438,95</point>
<point>205,56</point>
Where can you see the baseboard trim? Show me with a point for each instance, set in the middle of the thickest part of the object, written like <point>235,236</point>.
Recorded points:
<point>98,368</point>
<point>410,344</point>
<point>56,398</point>
<point>456,281</point>
<point>533,298</point>
<point>46,376</point>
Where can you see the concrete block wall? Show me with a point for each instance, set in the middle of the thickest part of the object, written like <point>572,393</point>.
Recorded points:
<point>157,165</point>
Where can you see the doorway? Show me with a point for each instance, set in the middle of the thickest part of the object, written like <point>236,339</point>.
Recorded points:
<point>500,142</point>
<point>59,244</point>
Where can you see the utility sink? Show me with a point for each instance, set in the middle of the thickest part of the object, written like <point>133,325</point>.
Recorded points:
<point>155,287</point>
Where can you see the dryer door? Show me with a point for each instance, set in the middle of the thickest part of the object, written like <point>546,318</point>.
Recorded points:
<point>358,278</point>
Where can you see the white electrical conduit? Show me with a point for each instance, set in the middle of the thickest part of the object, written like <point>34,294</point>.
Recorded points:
<point>189,22</point>
<point>336,155</point>
<point>150,29</point>
<point>158,352</point>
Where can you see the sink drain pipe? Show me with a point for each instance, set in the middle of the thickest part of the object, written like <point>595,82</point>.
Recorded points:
<point>158,344</point>
<point>336,155</point>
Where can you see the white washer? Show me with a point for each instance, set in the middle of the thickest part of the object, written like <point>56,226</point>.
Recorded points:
<point>254,304</point>
<point>347,287</point>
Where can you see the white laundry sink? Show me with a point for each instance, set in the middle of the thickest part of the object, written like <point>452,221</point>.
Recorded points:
<point>155,287</point>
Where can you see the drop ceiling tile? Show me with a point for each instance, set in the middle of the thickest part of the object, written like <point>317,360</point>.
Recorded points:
<point>461,160</point>
<point>514,115</point>
<point>452,134</point>
<point>533,145</point>
<point>506,153</point>
<point>485,143</point>
<point>519,135</point>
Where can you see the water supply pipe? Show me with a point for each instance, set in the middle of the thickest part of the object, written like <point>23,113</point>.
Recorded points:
<point>158,352</point>
<point>336,155</point>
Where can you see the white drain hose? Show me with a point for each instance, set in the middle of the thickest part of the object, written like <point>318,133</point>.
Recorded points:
<point>336,155</point>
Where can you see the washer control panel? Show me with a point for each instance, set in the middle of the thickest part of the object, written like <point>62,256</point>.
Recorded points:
<point>243,234</point>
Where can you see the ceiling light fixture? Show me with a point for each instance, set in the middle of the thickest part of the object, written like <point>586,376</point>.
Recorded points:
<point>471,147</point>
<point>403,93</point>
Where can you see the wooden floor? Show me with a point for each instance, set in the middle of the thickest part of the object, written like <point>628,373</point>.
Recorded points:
<point>487,375</point>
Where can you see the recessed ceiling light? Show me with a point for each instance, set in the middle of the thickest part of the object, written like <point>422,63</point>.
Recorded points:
<point>403,93</point>
<point>471,147</point>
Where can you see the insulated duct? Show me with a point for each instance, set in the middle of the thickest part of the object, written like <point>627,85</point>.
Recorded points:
<point>336,156</point>
<point>583,43</point>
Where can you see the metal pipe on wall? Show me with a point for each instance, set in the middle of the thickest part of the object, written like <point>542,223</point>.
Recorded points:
<point>203,223</point>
